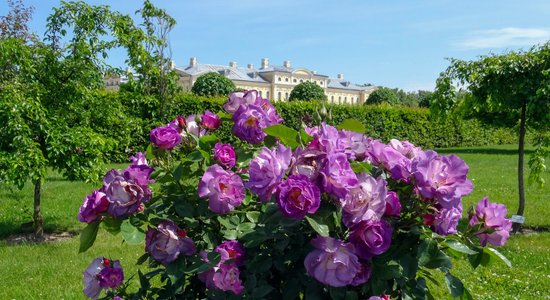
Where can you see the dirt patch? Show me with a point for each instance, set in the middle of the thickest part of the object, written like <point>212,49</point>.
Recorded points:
<point>29,238</point>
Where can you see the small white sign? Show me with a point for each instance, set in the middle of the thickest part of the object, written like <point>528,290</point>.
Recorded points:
<point>517,219</point>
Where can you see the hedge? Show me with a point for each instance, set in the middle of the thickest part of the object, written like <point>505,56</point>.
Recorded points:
<point>382,122</point>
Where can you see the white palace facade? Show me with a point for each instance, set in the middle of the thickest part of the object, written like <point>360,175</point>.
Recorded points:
<point>272,82</point>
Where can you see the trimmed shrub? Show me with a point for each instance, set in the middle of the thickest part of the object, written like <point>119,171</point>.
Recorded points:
<point>307,91</point>
<point>213,84</point>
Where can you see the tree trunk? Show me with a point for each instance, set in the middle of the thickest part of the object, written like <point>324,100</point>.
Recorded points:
<point>521,153</point>
<point>38,220</point>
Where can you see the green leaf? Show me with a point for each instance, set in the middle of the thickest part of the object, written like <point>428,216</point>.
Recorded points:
<point>286,135</point>
<point>321,229</point>
<point>306,138</point>
<point>359,167</point>
<point>112,225</point>
<point>149,152</point>
<point>352,125</point>
<point>430,256</point>
<point>262,291</point>
<point>456,288</point>
<point>496,254</point>
<point>253,216</point>
<point>208,141</point>
<point>131,234</point>
<point>88,235</point>
<point>458,246</point>
<point>177,173</point>
<point>195,156</point>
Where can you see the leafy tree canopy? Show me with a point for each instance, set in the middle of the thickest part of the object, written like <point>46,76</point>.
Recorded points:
<point>213,84</point>
<point>307,91</point>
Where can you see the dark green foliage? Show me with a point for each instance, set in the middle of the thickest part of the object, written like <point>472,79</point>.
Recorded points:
<point>213,84</point>
<point>383,95</point>
<point>307,91</point>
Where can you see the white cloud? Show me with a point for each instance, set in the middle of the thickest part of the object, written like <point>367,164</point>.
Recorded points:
<point>504,38</point>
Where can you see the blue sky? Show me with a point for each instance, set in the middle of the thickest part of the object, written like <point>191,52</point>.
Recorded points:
<point>389,43</point>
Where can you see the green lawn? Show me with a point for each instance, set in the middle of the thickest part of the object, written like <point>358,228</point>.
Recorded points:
<point>54,270</point>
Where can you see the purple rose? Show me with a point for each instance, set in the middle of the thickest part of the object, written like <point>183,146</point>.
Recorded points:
<point>393,161</point>
<point>442,178</point>
<point>308,162</point>
<point>210,120</point>
<point>297,196</point>
<point>139,159</point>
<point>165,137</point>
<point>338,177</point>
<point>363,275</point>
<point>93,206</point>
<point>232,250</point>
<point>166,242</point>
<point>406,148</point>
<point>494,228</point>
<point>333,262</point>
<point>393,205</point>
<point>237,99</point>
<point>224,189</point>
<point>272,116</point>
<point>267,171</point>
<point>365,201</point>
<point>446,220</point>
<point>110,278</point>
<point>225,155</point>
<point>355,144</point>
<point>371,238</point>
<point>226,278</point>
<point>249,123</point>
<point>179,124</point>
<point>101,274</point>
<point>124,193</point>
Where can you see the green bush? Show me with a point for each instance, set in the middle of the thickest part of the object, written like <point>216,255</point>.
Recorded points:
<point>212,84</point>
<point>124,117</point>
<point>307,91</point>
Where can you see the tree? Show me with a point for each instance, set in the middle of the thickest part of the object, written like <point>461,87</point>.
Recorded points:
<point>307,91</point>
<point>44,99</point>
<point>212,84</point>
<point>15,23</point>
<point>508,89</point>
<point>424,98</point>
<point>149,53</point>
<point>383,95</point>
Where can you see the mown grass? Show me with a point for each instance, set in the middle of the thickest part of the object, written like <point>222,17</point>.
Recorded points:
<point>54,270</point>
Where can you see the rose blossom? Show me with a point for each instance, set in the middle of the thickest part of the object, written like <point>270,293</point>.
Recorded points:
<point>165,137</point>
<point>224,189</point>
<point>333,262</point>
<point>101,274</point>
<point>442,178</point>
<point>231,250</point>
<point>125,193</point>
<point>338,177</point>
<point>364,202</point>
<point>93,206</point>
<point>267,171</point>
<point>237,99</point>
<point>249,123</point>
<point>225,155</point>
<point>270,111</point>
<point>307,162</point>
<point>371,237</point>
<point>393,205</point>
<point>297,196</point>
<point>446,220</point>
<point>393,161</point>
<point>166,242</point>
<point>210,120</point>
<point>139,159</point>
<point>495,228</point>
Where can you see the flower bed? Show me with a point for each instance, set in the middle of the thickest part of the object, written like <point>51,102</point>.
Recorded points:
<point>324,212</point>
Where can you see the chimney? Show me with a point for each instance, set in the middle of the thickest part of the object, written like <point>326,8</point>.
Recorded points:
<point>341,76</point>
<point>286,63</point>
<point>250,66</point>
<point>193,62</point>
<point>314,72</point>
<point>233,64</point>
<point>265,63</point>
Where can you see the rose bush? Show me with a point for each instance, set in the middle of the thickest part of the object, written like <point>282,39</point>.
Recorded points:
<point>324,212</point>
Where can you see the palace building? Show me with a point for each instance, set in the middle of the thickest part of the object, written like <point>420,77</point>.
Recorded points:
<point>272,82</point>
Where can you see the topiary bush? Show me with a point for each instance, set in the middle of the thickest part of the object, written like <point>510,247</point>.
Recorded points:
<point>307,91</point>
<point>212,84</point>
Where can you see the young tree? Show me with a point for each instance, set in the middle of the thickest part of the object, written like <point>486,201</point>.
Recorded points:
<point>44,99</point>
<point>382,95</point>
<point>307,91</point>
<point>509,89</point>
<point>212,84</point>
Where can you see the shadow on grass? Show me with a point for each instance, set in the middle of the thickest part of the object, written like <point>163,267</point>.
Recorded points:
<point>492,151</point>
<point>8,229</point>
